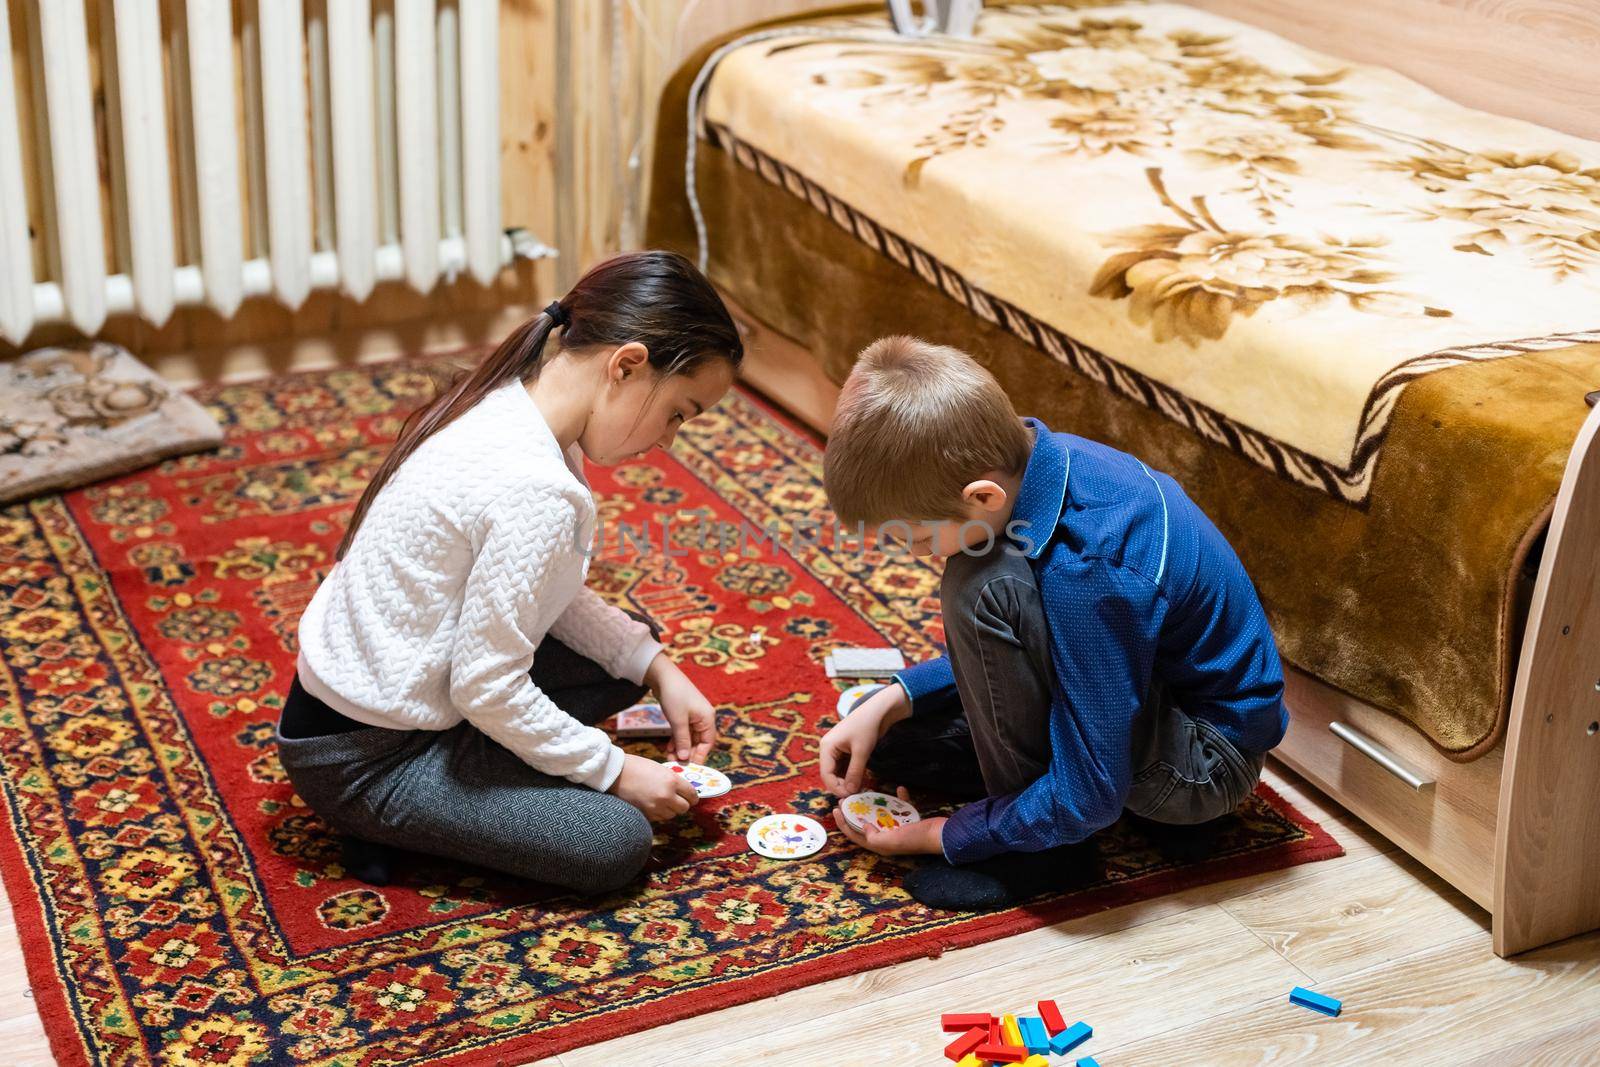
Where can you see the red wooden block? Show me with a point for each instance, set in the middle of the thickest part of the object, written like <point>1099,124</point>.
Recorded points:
<point>1052,1017</point>
<point>952,1023</point>
<point>1001,1053</point>
<point>966,1042</point>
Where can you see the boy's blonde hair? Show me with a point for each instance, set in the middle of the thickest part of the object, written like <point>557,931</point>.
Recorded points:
<point>916,423</point>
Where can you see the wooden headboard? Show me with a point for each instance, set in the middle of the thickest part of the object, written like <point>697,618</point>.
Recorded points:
<point>1531,59</point>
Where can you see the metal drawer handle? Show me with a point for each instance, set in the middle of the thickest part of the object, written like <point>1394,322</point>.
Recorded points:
<point>1379,755</point>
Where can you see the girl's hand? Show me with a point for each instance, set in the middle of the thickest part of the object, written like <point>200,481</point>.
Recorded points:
<point>653,789</point>
<point>912,839</point>
<point>693,719</point>
<point>846,748</point>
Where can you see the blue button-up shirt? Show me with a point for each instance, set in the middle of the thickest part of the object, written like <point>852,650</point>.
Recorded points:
<point>1137,586</point>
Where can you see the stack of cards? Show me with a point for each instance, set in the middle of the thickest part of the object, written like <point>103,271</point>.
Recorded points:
<point>706,781</point>
<point>643,720</point>
<point>786,837</point>
<point>863,662</point>
<point>880,809</point>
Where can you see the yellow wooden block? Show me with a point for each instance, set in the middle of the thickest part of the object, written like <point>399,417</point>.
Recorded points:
<point>1013,1032</point>
<point>1035,1061</point>
<point>971,1060</point>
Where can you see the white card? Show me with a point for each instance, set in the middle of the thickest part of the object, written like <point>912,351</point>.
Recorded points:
<point>706,781</point>
<point>643,720</point>
<point>867,662</point>
<point>786,837</point>
<point>880,809</point>
<point>854,695</point>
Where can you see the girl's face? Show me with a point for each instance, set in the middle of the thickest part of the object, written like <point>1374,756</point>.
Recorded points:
<point>637,409</point>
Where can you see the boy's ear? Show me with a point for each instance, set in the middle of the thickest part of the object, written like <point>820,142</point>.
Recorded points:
<point>984,495</point>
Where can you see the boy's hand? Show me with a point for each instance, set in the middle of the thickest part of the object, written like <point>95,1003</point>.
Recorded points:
<point>845,748</point>
<point>912,839</point>
<point>653,789</point>
<point>693,719</point>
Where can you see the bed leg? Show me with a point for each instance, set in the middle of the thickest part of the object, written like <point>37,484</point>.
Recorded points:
<point>1547,835</point>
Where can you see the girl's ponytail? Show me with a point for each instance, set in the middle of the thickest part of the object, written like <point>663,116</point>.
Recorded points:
<point>658,299</point>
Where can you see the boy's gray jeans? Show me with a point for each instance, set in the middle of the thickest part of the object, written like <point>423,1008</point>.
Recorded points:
<point>994,738</point>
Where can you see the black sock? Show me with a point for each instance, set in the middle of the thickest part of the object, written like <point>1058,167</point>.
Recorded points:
<point>1003,881</point>
<point>1190,843</point>
<point>368,861</point>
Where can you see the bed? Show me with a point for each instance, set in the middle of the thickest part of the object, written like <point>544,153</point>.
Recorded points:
<point>1356,320</point>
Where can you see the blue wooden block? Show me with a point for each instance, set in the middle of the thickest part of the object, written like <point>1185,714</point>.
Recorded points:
<point>1088,1061</point>
<point>1070,1038</point>
<point>1034,1035</point>
<point>1315,1001</point>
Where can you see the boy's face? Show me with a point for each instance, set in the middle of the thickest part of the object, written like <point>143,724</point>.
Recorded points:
<point>986,506</point>
<point>943,538</point>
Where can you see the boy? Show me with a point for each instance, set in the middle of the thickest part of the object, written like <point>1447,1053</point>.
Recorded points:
<point>1105,648</point>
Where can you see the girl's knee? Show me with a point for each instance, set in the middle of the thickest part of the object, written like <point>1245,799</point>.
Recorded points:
<point>622,848</point>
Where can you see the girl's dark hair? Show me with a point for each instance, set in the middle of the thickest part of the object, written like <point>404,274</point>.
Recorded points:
<point>658,299</point>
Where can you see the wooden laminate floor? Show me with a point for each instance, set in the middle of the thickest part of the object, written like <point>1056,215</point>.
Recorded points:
<point>1197,977</point>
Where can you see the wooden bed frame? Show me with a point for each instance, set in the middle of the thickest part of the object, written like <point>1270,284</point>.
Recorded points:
<point>1533,802</point>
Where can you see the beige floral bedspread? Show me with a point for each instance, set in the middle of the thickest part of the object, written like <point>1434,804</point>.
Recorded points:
<point>1259,240</point>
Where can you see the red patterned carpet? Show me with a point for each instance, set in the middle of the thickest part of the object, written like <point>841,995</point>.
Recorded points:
<point>178,905</point>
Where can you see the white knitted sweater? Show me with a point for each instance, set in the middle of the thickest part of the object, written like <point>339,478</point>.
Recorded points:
<point>474,550</point>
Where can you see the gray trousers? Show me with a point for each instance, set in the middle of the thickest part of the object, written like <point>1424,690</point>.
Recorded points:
<point>459,794</point>
<point>993,737</point>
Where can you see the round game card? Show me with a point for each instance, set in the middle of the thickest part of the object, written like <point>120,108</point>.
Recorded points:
<point>880,809</point>
<point>786,837</point>
<point>855,695</point>
<point>706,781</point>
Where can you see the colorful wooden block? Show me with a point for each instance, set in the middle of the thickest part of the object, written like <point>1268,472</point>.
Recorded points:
<point>1088,1061</point>
<point>1034,1035</point>
<point>1315,1001</point>
<point>968,1041</point>
<point>1051,1015</point>
<point>1001,1053</point>
<point>969,1060</point>
<point>1070,1038</point>
<point>1035,1061</point>
<point>952,1023</point>
<point>1013,1034</point>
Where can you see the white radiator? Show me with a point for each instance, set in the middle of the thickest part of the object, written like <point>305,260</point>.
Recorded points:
<point>371,153</point>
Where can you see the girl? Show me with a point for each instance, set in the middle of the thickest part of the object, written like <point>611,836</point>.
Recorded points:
<point>452,664</point>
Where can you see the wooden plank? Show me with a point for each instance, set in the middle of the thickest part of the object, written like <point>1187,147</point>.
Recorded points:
<point>1560,1046</point>
<point>529,121</point>
<point>142,98</point>
<point>1200,959</point>
<point>1547,854</point>
<point>16,254</point>
<point>1429,1008</point>
<point>1359,916</point>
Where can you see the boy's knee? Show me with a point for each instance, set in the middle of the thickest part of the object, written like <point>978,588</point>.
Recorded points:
<point>966,576</point>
